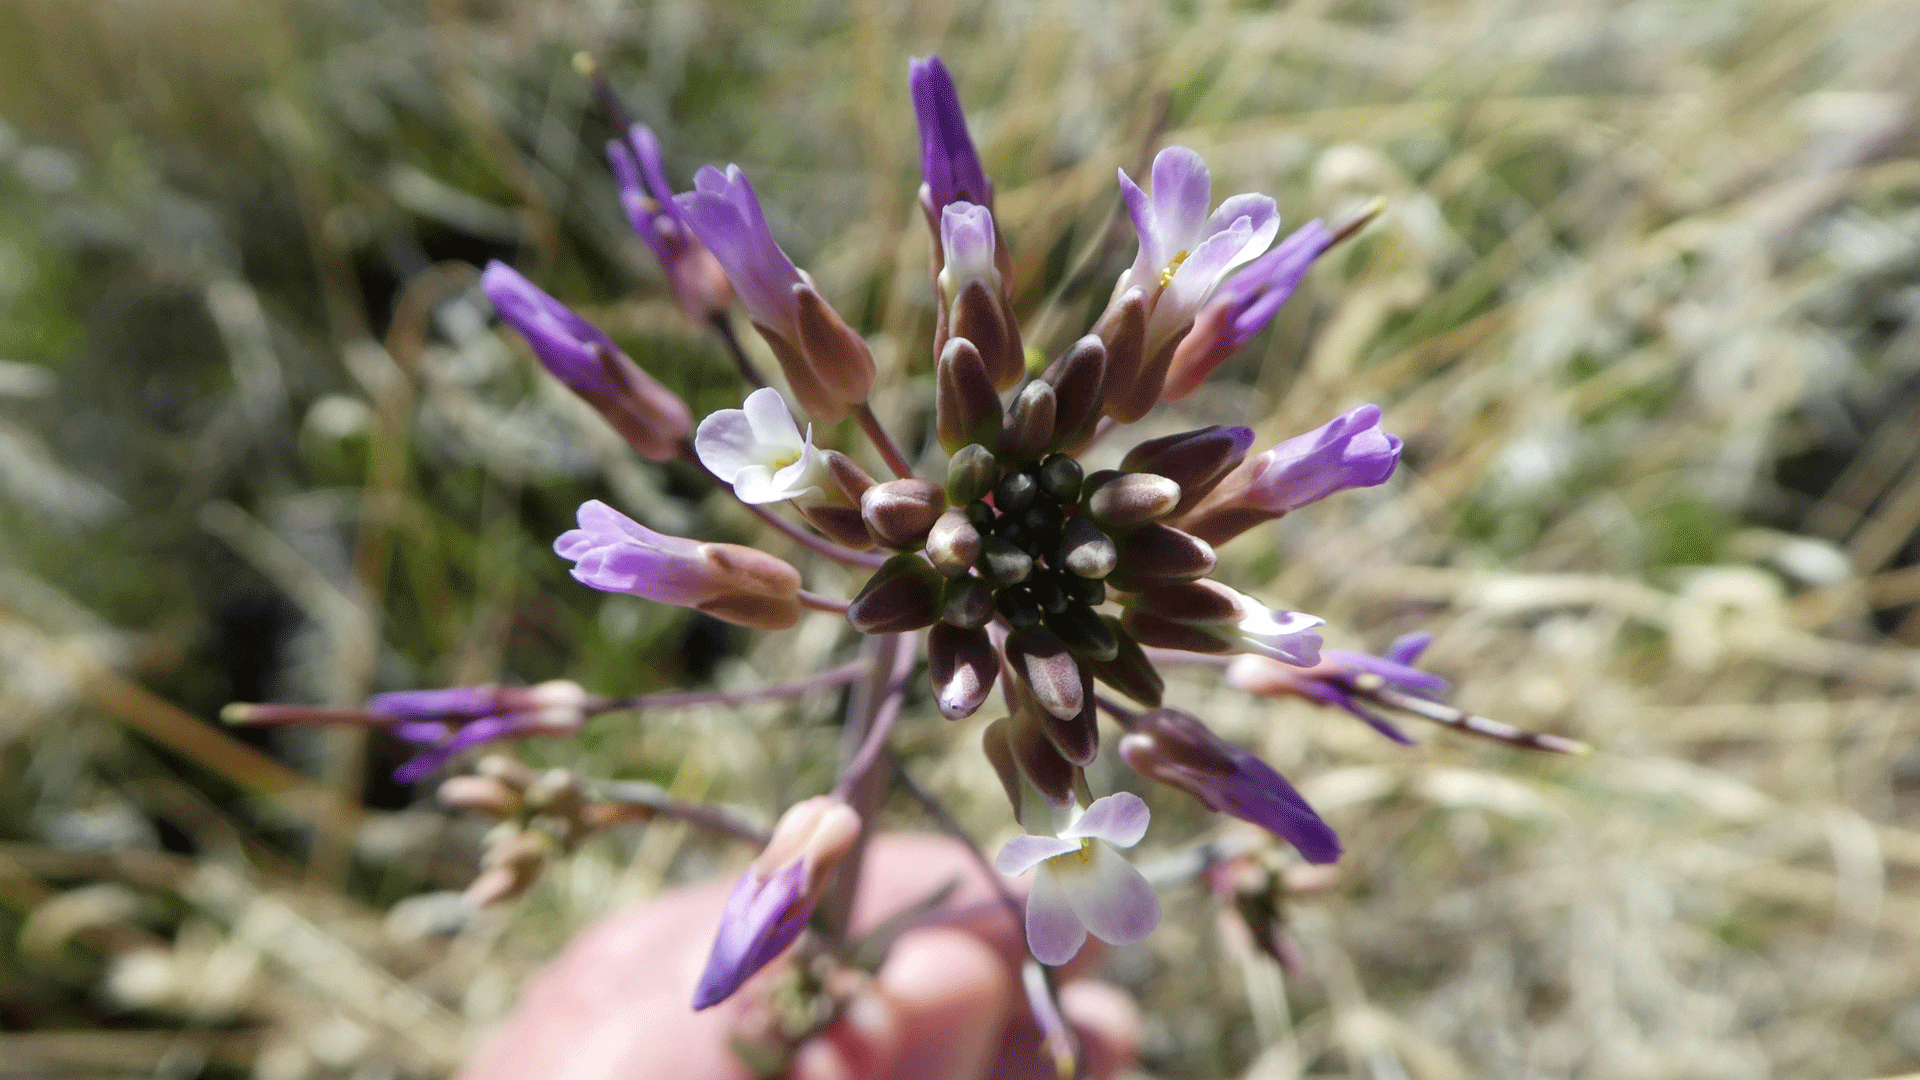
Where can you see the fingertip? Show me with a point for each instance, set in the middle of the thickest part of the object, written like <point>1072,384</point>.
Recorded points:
<point>952,993</point>
<point>862,1044</point>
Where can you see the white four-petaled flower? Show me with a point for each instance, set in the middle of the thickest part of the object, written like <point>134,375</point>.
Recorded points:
<point>761,452</point>
<point>1081,884</point>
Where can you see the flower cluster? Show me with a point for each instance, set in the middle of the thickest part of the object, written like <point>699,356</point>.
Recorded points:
<point>1024,570</point>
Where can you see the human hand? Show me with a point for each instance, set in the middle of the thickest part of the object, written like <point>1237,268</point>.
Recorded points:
<point>946,1005</point>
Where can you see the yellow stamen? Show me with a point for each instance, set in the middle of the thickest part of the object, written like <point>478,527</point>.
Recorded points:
<point>1166,276</point>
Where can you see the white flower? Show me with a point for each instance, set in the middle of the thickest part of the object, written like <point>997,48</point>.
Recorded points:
<point>1081,884</point>
<point>760,451</point>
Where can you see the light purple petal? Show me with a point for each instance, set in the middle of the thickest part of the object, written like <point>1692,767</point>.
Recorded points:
<point>1196,278</point>
<point>1265,284</point>
<point>966,239</point>
<point>1374,720</point>
<point>1111,898</point>
<point>1407,647</point>
<point>1348,451</point>
<point>772,421</point>
<point>486,730</point>
<point>724,214</point>
<point>725,444</point>
<point>1054,932</point>
<point>1119,819</point>
<point>758,923</point>
<point>1148,262</point>
<point>563,341</point>
<point>1182,187</point>
<point>614,553</point>
<point>1026,851</point>
<point>1255,793</point>
<point>1261,212</point>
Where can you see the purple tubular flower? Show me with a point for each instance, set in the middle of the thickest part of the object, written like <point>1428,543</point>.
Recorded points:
<point>1242,308</point>
<point>948,162</point>
<point>773,900</point>
<point>449,721</point>
<point>743,585</point>
<point>699,285</point>
<point>1348,451</point>
<point>1177,749</point>
<point>723,212</point>
<point>651,417</point>
<point>1345,679</point>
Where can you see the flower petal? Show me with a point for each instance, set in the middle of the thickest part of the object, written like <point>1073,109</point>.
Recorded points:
<point>773,424</point>
<point>1182,187</point>
<point>1119,819</point>
<point>1112,900</point>
<point>1054,931</point>
<point>760,920</point>
<point>726,443</point>
<point>1026,851</point>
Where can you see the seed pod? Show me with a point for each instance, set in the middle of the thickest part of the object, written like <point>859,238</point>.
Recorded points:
<point>1078,379</point>
<point>1029,423</point>
<point>968,603</point>
<point>1127,500</point>
<point>1156,554</point>
<point>966,406</point>
<point>1084,550</point>
<point>971,474</point>
<point>904,594</point>
<point>900,513</point>
<point>954,544</point>
<point>963,667</point>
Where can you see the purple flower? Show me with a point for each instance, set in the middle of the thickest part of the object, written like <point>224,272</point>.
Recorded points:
<point>699,284</point>
<point>651,417</point>
<point>452,720</point>
<point>1177,749</point>
<point>1080,884</point>
<point>966,243</point>
<point>772,901</point>
<point>1185,253</point>
<point>1207,617</point>
<point>1345,679</point>
<point>614,553</point>
<point>1243,307</point>
<point>948,162</point>
<point>1348,451</point>
<point>724,213</point>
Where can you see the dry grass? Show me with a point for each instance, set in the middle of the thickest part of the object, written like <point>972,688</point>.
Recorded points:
<point>1645,305</point>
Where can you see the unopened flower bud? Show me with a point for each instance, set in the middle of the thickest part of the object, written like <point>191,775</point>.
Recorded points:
<point>1208,617</point>
<point>962,666</point>
<point>971,474</point>
<point>1123,331</point>
<point>904,594</point>
<point>699,284</point>
<point>1127,500</point>
<point>949,165</point>
<point>740,584</point>
<point>1156,553</point>
<point>652,418</point>
<point>1047,669</point>
<point>1060,478</point>
<point>966,405</point>
<point>1029,423</point>
<point>954,544</point>
<point>772,901</point>
<point>1130,671</point>
<point>1078,379</point>
<point>1084,550</point>
<point>1022,755</point>
<point>968,603</point>
<point>1085,632</point>
<point>1003,564</point>
<point>509,865</point>
<point>1015,492</point>
<point>1196,460</point>
<point>900,513</point>
<point>973,295</point>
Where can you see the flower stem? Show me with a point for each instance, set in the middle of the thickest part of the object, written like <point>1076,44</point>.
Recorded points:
<point>882,442</point>
<point>1461,720</point>
<point>953,828</point>
<point>687,699</point>
<point>893,698</point>
<point>1122,715</point>
<point>816,602</point>
<point>882,654</point>
<point>722,324</point>
<point>637,800</point>
<point>836,552</point>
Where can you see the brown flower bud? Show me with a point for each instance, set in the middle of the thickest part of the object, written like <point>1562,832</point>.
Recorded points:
<point>1022,756</point>
<point>963,667</point>
<point>1078,379</point>
<point>1084,550</point>
<point>1123,330</point>
<point>971,474</point>
<point>954,544</point>
<point>1047,669</point>
<point>1085,632</point>
<point>968,603</point>
<point>966,405</point>
<point>1196,460</point>
<point>848,477</point>
<point>843,524</point>
<point>1127,500</point>
<point>837,358</point>
<point>483,794</point>
<point>1003,564</point>
<point>983,317</point>
<point>900,513</point>
<point>1155,554</point>
<point>904,594</point>
<point>1029,423</point>
<point>1129,672</point>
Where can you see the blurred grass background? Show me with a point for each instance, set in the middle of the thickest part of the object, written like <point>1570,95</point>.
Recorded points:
<point>1645,305</point>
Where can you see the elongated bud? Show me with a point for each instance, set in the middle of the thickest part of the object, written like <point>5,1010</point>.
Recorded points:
<point>1085,551</point>
<point>1155,553</point>
<point>1196,460</point>
<point>1078,379</point>
<point>968,603</point>
<point>1029,423</point>
<point>1129,672</point>
<point>772,901</point>
<point>1075,737</point>
<point>843,524</point>
<point>971,474</point>
<point>1047,670</point>
<point>1193,617</point>
<point>1197,603</point>
<point>966,405</point>
<point>1021,755</point>
<point>1348,451</point>
<point>963,667</point>
<point>954,544</point>
<point>837,357</point>
<point>900,513</point>
<point>614,553</point>
<point>1003,564</point>
<point>1129,500</point>
<point>849,479</point>
<point>1123,330</point>
<point>904,594</point>
<point>699,284</point>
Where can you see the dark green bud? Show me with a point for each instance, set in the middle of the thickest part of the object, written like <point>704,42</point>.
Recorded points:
<point>1060,478</point>
<point>971,474</point>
